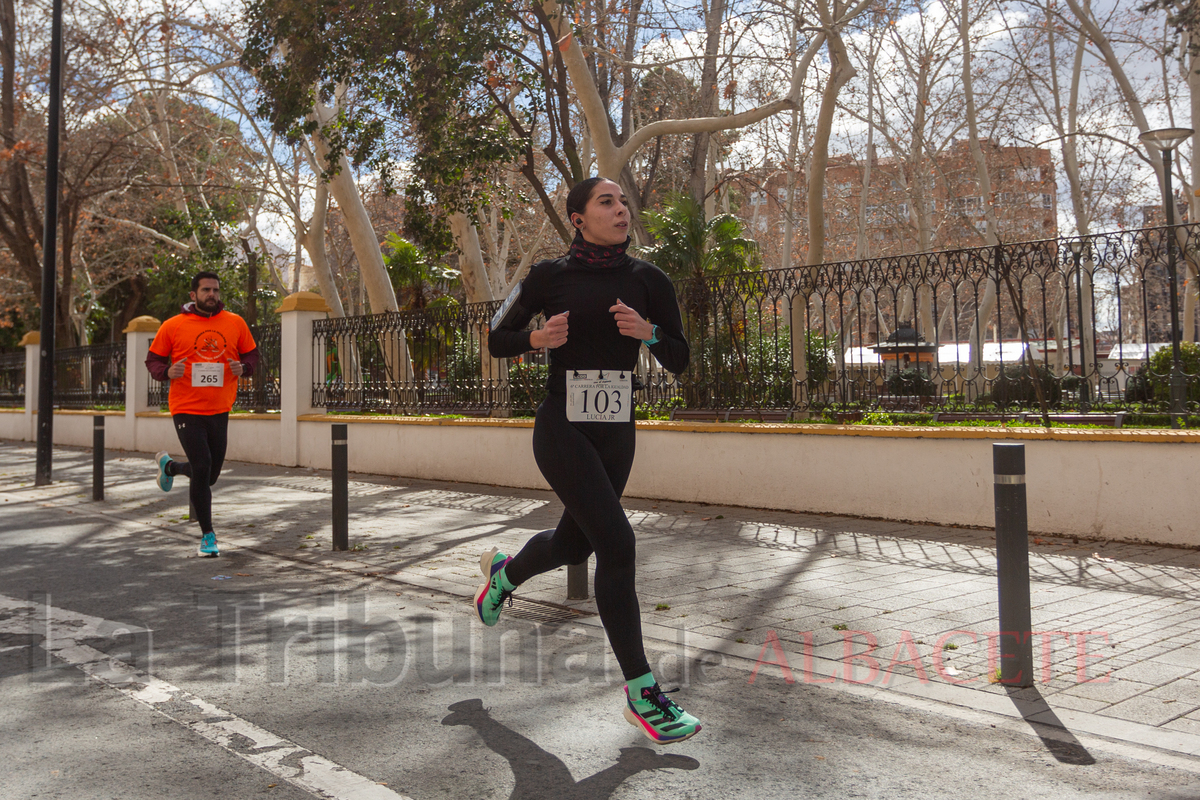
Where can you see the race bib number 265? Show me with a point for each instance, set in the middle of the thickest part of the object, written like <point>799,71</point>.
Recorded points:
<point>595,395</point>
<point>208,375</point>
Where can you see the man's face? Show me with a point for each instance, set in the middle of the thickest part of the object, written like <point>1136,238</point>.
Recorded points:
<point>207,295</point>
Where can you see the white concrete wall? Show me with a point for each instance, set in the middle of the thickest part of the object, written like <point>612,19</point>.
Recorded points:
<point>1126,490</point>
<point>1132,486</point>
<point>485,451</point>
<point>251,437</point>
<point>74,427</point>
<point>1123,485</point>
<point>15,425</point>
<point>1109,485</point>
<point>155,432</point>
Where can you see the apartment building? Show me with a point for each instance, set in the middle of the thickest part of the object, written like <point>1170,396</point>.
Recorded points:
<point>886,206</point>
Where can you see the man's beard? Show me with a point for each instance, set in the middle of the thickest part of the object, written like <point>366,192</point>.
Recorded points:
<point>208,306</point>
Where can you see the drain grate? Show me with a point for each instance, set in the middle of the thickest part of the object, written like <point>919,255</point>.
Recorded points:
<point>541,611</point>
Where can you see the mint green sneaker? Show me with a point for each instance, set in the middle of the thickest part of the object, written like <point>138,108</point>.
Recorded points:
<point>208,546</point>
<point>659,717</point>
<point>490,598</point>
<point>491,562</point>
<point>164,480</point>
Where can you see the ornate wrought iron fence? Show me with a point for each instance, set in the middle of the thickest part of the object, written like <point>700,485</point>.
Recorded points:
<point>986,329</point>
<point>431,361</point>
<point>1082,324</point>
<point>92,376</point>
<point>12,378</point>
<point>156,394</point>
<point>259,392</point>
<point>1001,326</point>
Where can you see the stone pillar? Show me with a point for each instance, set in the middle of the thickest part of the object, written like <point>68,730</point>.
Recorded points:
<point>139,334</point>
<point>32,342</point>
<point>296,369</point>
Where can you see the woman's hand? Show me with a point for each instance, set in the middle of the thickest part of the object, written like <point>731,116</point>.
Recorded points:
<point>552,334</point>
<point>630,322</point>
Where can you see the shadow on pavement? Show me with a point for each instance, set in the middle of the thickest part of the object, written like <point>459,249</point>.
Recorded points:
<point>1061,743</point>
<point>540,775</point>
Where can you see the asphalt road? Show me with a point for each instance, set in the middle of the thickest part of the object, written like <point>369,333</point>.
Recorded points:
<point>251,676</point>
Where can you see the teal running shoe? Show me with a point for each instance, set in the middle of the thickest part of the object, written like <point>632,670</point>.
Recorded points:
<point>659,717</point>
<point>490,598</point>
<point>491,562</point>
<point>164,480</point>
<point>208,546</point>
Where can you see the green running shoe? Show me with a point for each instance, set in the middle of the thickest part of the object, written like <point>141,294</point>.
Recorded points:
<point>208,546</point>
<point>164,480</point>
<point>659,717</point>
<point>491,562</point>
<point>490,598</point>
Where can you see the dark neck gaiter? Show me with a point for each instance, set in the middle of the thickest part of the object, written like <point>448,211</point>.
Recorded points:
<point>601,256</point>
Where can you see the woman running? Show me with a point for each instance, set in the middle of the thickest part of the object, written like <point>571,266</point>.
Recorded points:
<point>583,437</point>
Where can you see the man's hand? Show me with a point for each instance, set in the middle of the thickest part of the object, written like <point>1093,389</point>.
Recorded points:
<point>630,322</point>
<point>236,367</point>
<point>176,370</point>
<point>553,334</point>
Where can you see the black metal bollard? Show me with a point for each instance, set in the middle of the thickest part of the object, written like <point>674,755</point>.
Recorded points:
<point>577,581</point>
<point>98,457</point>
<point>1012,565</point>
<point>341,488</point>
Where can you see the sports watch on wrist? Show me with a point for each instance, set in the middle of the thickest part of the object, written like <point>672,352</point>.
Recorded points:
<point>653,336</point>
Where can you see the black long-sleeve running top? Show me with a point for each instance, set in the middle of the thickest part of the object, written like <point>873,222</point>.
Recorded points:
<point>593,339</point>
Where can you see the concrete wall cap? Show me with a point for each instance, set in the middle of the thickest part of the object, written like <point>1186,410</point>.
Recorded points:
<point>33,337</point>
<point>304,301</point>
<point>142,324</point>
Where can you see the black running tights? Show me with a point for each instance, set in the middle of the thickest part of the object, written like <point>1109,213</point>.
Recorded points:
<point>587,465</point>
<point>204,439</point>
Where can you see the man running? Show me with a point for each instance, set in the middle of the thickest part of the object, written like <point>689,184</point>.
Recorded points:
<point>203,351</point>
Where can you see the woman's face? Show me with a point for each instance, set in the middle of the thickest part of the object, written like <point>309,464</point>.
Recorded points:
<point>605,218</point>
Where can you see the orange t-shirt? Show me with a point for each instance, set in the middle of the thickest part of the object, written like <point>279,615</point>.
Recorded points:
<point>203,341</point>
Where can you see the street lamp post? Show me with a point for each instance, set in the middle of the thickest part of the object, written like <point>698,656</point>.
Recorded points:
<point>1076,246</point>
<point>1166,140</point>
<point>45,411</point>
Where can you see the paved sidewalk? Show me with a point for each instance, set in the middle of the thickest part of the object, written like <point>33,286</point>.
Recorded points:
<point>872,607</point>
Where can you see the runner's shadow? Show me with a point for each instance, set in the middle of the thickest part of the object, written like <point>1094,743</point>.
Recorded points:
<point>1061,743</point>
<point>542,776</point>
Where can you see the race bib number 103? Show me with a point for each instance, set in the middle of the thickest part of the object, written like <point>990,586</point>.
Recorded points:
<point>595,395</point>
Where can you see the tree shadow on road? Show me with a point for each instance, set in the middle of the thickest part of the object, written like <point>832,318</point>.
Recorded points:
<point>543,776</point>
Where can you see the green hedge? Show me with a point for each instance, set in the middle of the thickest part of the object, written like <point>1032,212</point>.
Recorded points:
<point>1154,381</point>
<point>526,387</point>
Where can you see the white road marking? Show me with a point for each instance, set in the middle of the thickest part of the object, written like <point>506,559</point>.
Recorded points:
<point>64,632</point>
